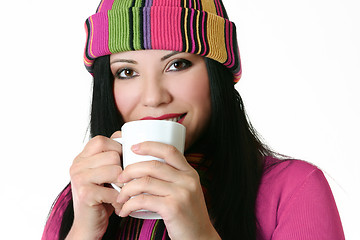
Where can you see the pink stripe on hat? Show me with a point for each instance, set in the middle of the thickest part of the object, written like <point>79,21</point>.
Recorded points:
<point>100,42</point>
<point>165,30</point>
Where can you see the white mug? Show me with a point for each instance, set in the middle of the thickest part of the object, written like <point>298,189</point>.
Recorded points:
<point>134,132</point>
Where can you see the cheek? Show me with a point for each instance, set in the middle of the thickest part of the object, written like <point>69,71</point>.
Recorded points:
<point>202,105</point>
<point>194,87</point>
<point>124,99</point>
<point>199,92</point>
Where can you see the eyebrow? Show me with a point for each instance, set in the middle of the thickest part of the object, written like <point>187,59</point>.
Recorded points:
<point>124,60</point>
<point>169,55</point>
<point>135,62</point>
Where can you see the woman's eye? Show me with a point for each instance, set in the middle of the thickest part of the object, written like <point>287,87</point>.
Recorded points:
<point>126,73</point>
<point>179,65</point>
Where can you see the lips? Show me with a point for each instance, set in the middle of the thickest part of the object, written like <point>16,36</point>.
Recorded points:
<point>174,117</point>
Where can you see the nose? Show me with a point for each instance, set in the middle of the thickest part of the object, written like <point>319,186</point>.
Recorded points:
<point>155,92</point>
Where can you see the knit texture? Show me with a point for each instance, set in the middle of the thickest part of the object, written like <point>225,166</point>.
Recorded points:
<point>193,26</point>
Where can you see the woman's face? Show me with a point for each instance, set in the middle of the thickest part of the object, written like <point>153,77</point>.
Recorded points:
<point>165,85</point>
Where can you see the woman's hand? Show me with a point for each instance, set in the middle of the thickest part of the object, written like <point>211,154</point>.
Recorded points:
<point>174,192</point>
<point>96,165</point>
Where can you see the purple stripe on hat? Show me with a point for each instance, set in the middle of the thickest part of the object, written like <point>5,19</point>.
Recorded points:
<point>146,28</point>
<point>148,3</point>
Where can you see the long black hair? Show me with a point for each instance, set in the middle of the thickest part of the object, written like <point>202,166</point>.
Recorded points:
<point>232,144</point>
<point>237,158</point>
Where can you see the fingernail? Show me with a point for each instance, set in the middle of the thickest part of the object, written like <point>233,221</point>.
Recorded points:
<point>118,212</point>
<point>121,213</point>
<point>135,147</point>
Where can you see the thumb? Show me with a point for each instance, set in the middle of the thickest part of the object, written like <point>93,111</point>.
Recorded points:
<point>116,134</point>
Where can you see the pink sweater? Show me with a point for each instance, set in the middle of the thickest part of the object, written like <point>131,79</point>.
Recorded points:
<point>295,202</point>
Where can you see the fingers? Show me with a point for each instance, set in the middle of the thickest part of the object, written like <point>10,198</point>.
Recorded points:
<point>155,169</point>
<point>164,151</point>
<point>147,185</point>
<point>181,190</point>
<point>100,144</point>
<point>116,134</point>
<point>100,159</point>
<point>101,168</point>
<point>93,195</point>
<point>143,201</point>
<point>164,206</point>
<point>104,174</point>
<point>155,177</point>
<point>95,176</point>
<point>98,151</point>
<point>96,165</point>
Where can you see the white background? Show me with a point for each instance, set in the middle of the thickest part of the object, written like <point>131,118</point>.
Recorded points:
<point>300,84</point>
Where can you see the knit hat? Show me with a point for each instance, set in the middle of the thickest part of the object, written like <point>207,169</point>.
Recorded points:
<point>193,26</point>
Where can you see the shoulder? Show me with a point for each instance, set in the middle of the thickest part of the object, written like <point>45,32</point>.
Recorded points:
<point>283,180</point>
<point>295,194</point>
<point>289,173</point>
<point>274,166</point>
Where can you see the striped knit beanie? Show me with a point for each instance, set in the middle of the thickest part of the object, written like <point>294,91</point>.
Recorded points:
<point>193,26</point>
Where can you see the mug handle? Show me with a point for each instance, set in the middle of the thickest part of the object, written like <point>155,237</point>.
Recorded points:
<point>119,140</point>
<point>116,187</point>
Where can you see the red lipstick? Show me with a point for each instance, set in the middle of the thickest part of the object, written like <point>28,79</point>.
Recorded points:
<point>167,116</point>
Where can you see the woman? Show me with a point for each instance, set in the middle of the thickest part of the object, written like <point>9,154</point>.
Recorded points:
<point>155,58</point>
